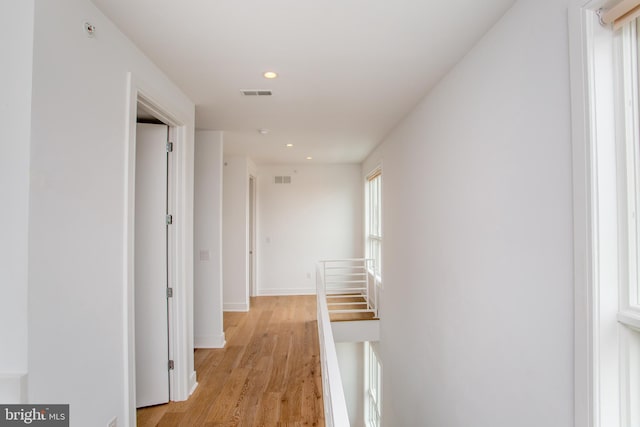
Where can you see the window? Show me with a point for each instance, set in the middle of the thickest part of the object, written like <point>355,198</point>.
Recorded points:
<point>373,219</point>
<point>373,390</point>
<point>606,112</point>
<point>629,148</point>
<point>629,140</point>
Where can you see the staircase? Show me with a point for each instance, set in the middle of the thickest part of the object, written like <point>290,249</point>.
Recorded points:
<point>351,289</point>
<point>347,298</point>
<point>349,307</point>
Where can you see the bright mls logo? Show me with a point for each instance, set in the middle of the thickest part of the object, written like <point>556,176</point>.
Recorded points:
<point>34,415</point>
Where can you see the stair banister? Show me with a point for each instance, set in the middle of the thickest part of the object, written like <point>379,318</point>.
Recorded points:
<point>335,405</point>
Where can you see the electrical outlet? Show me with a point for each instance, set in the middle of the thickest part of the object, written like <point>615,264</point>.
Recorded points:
<point>113,422</point>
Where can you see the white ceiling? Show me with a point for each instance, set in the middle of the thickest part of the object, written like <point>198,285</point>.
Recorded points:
<point>349,69</point>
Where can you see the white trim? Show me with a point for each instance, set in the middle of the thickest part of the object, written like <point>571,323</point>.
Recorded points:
<point>335,405</point>
<point>212,341</point>
<point>193,382</point>
<point>582,206</point>
<point>286,292</point>
<point>181,306</point>
<point>13,388</point>
<point>630,319</point>
<point>235,306</point>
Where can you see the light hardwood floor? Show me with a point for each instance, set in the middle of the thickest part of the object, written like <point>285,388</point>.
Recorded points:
<point>267,375</point>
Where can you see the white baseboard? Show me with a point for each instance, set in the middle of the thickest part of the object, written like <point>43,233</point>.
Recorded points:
<point>193,383</point>
<point>214,341</point>
<point>13,388</point>
<point>235,306</point>
<point>284,292</point>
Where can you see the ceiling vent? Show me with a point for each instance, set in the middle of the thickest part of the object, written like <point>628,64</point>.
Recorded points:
<point>253,92</point>
<point>282,180</point>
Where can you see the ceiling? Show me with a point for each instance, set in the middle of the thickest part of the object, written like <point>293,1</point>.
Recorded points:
<point>349,70</point>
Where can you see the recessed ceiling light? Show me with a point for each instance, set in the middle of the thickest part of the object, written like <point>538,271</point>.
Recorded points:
<point>289,145</point>
<point>270,75</point>
<point>309,158</point>
<point>263,131</point>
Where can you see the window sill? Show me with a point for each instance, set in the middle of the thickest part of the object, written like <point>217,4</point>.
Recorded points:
<point>630,318</point>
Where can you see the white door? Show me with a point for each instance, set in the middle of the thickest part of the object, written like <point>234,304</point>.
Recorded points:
<point>151,316</point>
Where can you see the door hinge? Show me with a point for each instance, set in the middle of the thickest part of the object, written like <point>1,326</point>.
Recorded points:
<point>170,365</point>
<point>169,292</point>
<point>169,219</point>
<point>169,147</point>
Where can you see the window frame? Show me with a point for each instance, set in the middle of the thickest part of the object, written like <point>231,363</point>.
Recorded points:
<point>373,220</point>
<point>605,172</point>
<point>628,141</point>
<point>629,312</point>
<point>373,395</point>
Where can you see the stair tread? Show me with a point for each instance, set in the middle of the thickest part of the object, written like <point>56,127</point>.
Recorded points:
<point>346,301</point>
<point>347,317</point>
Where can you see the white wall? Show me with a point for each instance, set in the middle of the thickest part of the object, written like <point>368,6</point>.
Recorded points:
<point>208,327</point>
<point>16,51</point>
<point>351,363</point>
<point>235,235</point>
<point>477,325</point>
<point>77,279</point>
<point>318,216</point>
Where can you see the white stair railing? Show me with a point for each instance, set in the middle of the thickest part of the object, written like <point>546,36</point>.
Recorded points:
<point>347,279</point>
<point>335,405</point>
<point>341,281</point>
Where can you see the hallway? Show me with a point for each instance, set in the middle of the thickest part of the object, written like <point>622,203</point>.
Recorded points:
<point>268,374</point>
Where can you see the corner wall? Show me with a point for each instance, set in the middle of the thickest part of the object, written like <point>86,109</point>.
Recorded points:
<point>16,51</point>
<point>208,326</point>
<point>235,239</point>
<point>477,325</point>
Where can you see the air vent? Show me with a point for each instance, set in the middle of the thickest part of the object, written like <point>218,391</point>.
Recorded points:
<point>249,92</point>
<point>282,180</point>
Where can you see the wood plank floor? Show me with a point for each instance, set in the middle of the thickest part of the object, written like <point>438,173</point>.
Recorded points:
<point>267,375</point>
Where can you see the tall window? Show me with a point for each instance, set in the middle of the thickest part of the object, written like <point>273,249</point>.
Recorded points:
<point>629,288</point>
<point>373,390</point>
<point>630,141</point>
<point>374,219</point>
<point>607,216</point>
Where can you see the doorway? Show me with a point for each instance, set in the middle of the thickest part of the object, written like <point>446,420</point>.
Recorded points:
<point>175,113</point>
<point>252,236</point>
<point>175,263</point>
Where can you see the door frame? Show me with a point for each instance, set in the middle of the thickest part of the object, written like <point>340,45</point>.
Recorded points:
<point>182,378</point>
<point>252,225</point>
